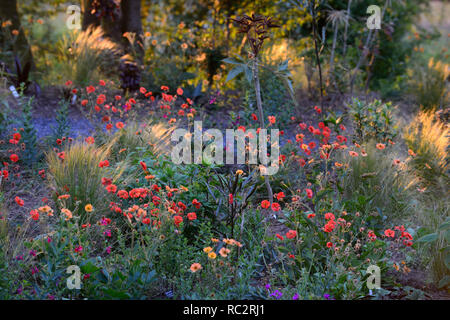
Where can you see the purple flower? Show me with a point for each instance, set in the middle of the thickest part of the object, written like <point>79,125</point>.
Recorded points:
<point>108,249</point>
<point>326,296</point>
<point>295,297</point>
<point>18,258</point>
<point>277,294</point>
<point>268,286</point>
<point>32,253</point>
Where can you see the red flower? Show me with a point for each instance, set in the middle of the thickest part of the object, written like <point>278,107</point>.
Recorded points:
<point>265,204</point>
<point>90,89</point>
<point>309,193</point>
<point>389,233</point>
<point>280,195</point>
<point>291,234</point>
<point>276,206</point>
<point>19,201</point>
<point>329,244</point>
<point>230,198</point>
<point>17,136</point>
<point>119,125</point>
<point>196,203</point>
<point>279,236</point>
<point>329,216</point>
<point>143,165</point>
<point>102,83</point>
<point>5,174</point>
<point>192,216</point>
<point>90,140</point>
<point>111,188</point>
<point>14,157</point>
<point>179,91</point>
<point>103,164</point>
<point>34,214</point>
<point>177,220</point>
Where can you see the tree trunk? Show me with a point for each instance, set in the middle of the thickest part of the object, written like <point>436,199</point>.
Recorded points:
<point>131,22</point>
<point>89,19</point>
<point>21,48</point>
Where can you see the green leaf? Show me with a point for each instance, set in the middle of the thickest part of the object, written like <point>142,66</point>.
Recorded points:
<point>429,238</point>
<point>232,61</point>
<point>234,72</point>
<point>444,282</point>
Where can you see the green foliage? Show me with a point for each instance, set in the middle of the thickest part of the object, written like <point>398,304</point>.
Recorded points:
<point>29,134</point>
<point>374,185</point>
<point>373,120</point>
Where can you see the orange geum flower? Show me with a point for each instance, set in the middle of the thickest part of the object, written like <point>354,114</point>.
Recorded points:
<point>207,250</point>
<point>212,255</point>
<point>88,208</point>
<point>195,267</point>
<point>224,252</point>
<point>380,146</point>
<point>68,213</point>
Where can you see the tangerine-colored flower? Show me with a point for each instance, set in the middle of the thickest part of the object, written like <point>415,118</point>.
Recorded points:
<point>353,153</point>
<point>88,208</point>
<point>239,172</point>
<point>68,213</point>
<point>265,204</point>
<point>179,91</point>
<point>207,250</point>
<point>195,267</point>
<point>272,119</point>
<point>214,240</point>
<point>224,252</point>
<point>14,157</point>
<point>380,146</point>
<point>120,125</point>
<point>191,216</point>
<point>212,255</point>
<point>291,234</point>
